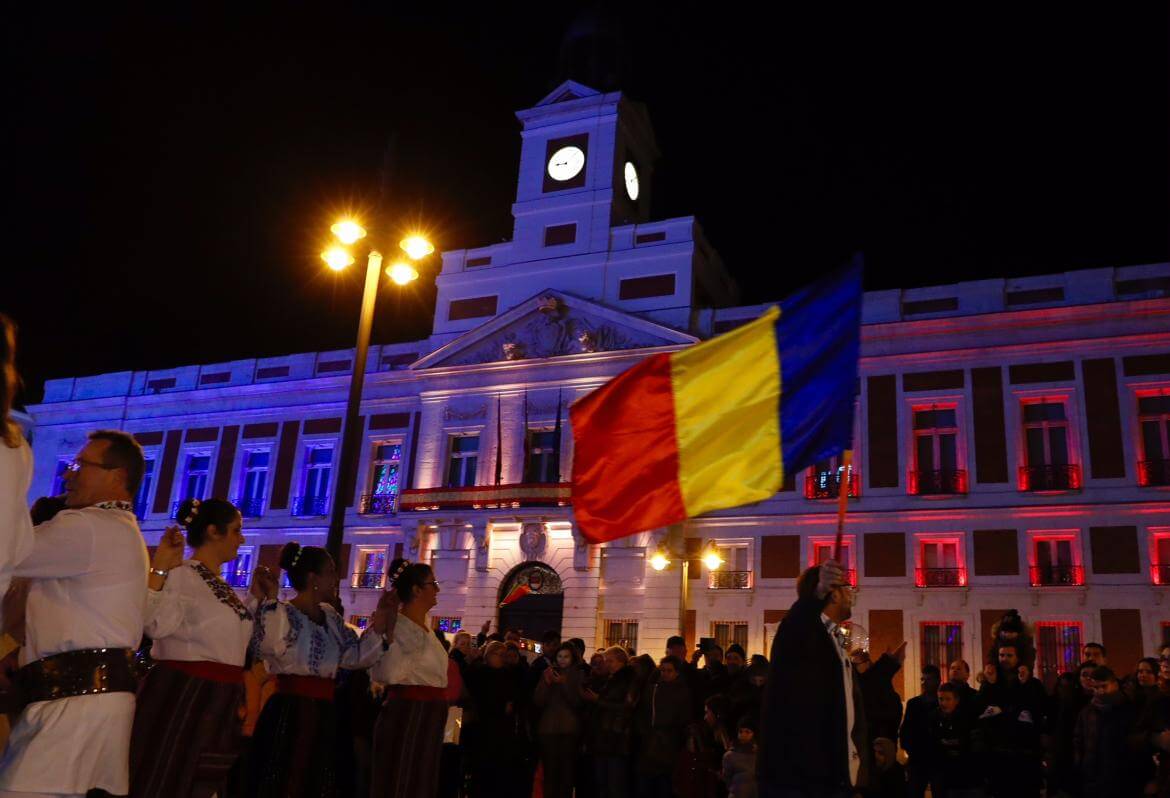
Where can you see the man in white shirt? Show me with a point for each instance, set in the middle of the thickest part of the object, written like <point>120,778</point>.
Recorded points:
<point>813,739</point>
<point>84,619</point>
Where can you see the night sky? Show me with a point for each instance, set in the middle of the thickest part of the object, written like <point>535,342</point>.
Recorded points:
<point>171,177</point>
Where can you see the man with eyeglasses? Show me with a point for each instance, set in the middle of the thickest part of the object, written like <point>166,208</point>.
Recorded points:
<point>84,619</point>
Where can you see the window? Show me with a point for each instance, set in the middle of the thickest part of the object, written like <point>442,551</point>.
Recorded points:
<point>936,470</point>
<point>314,498</point>
<point>384,479</point>
<point>359,622</point>
<point>195,476</point>
<point>622,633</point>
<point>59,478</point>
<point>462,461</point>
<point>558,234</point>
<point>824,479</point>
<point>1058,648</point>
<point>142,498</point>
<point>1055,561</point>
<point>942,643</point>
<point>255,480</point>
<point>448,624</point>
<point>371,573</point>
<point>728,632</point>
<point>473,308</point>
<point>1154,418</point>
<point>940,563</point>
<point>735,573</point>
<point>1046,447</point>
<point>238,572</point>
<point>823,550</point>
<point>542,456</point>
<point>1160,556</point>
<point>646,287</point>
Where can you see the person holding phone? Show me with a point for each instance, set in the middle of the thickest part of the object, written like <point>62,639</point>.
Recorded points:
<point>558,733</point>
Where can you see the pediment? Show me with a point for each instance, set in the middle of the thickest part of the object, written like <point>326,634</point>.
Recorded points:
<point>569,90</point>
<point>553,324</point>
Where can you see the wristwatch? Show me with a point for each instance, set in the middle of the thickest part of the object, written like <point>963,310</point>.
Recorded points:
<point>159,572</point>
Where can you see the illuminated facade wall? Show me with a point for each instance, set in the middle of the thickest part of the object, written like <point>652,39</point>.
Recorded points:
<point>1011,437</point>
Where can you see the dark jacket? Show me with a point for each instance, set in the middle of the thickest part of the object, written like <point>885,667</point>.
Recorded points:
<point>915,735</point>
<point>804,743</point>
<point>560,704</point>
<point>612,716</point>
<point>1007,735</point>
<point>883,705</point>
<point>954,764</point>
<point>1101,749</point>
<point>662,715</point>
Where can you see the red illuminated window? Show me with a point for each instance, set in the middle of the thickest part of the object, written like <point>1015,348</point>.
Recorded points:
<point>940,563</point>
<point>1058,648</point>
<point>1160,557</point>
<point>1056,561</point>
<point>941,641</point>
<point>1046,446</point>
<point>936,470</point>
<point>824,480</point>
<point>1154,421</point>
<point>823,550</point>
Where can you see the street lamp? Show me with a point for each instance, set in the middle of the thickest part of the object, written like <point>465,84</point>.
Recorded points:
<point>711,558</point>
<point>349,232</point>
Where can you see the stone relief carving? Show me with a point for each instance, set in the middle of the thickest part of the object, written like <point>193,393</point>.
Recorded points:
<point>533,540</point>
<point>556,330</point>
<point>470,414</point>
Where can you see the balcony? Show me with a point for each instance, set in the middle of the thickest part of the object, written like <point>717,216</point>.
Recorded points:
<point>1161,574</point>
<point>945,482</point>
<point>1056,575</point>
<point>251,507</point>
<point>941,577</point>
<point>237,578</point>
<point>378,504</point>
<point>1154,473</point>
<point>1050,478</point>
<point>306,506</point>
<point>827,485</point>
<point>476,497</point>
<point>372,580</point>
<point>730,580</point>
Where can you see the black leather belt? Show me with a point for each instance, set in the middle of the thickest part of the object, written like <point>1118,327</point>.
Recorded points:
<point>90,671</point>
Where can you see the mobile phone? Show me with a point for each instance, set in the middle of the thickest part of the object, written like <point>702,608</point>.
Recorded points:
<point>706,643</point>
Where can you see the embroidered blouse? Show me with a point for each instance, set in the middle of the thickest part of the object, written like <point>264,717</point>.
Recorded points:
<point>290,642</point>
<point>415,657</point>
<point>197,616</point>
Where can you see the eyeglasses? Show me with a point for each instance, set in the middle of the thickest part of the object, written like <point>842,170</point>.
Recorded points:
<point>432,582</point>
<point>73,466</point>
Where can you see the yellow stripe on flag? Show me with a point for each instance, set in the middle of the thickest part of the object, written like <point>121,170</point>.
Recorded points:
<point>727,417</point>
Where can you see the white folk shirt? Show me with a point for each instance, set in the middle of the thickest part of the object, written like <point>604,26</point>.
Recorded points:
<point>415,657</point>
<point>88,571</point>
<point>197,617</point>
<point>291,643</point>
<point>847,676</point>
<point>16,532</point>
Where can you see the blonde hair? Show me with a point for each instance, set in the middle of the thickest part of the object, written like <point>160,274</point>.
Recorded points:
<point>494,647</point>
<point>618,652</point>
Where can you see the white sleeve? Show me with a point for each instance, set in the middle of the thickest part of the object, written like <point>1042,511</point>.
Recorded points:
<point>273,634</point>
<point>166,608</point>
<point>396,665</point>
<point>16,473</point>
<point>61,547</point>
<point>358,654</point>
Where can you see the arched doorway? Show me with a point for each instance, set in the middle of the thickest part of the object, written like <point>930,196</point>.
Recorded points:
<point>532,600</point>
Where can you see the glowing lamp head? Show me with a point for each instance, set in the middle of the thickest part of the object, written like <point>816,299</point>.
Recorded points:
<point>659,560</point>
<point>401,273</point>
<point>336,258</point>
<point>348,231</point>
<point>711,559</point>
<point>416,247</point>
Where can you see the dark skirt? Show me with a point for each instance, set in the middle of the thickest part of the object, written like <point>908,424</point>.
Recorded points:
<point>186,735</point>
<point>293,750</point>
<point>408,745</point>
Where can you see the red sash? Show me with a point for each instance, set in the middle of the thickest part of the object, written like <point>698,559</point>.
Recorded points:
<point>305,686</point>
<point>201,669</point>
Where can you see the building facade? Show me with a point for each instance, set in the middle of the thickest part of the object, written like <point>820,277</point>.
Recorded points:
<point>1012,441</point>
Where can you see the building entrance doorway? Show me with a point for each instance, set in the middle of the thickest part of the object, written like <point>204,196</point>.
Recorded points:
<point>532,601</point>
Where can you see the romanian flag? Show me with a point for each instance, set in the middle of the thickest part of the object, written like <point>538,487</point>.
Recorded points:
<point>719,424</point>
<point>519,592</point>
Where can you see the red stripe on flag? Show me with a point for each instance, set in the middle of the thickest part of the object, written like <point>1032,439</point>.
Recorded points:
<point>625,454</point>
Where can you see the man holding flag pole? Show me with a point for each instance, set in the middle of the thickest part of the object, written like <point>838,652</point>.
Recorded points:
<point>718,425</point>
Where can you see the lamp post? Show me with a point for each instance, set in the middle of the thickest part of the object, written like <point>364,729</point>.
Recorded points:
<point>349,232</point>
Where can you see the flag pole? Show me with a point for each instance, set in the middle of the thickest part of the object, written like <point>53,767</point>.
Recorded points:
<point>842,502</point>
<point>499,441</point>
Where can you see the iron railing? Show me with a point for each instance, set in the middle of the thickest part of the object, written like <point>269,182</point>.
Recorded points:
<point>304,506</point>
<point>1057,575</point>
<point>827,485</point>
<point>1050,477</point>
<point>368,580</point>
<point>730,580</point>
<point>1153,473</point>
<point>378,504</point>
<point>237,578</point>
<point>941,577</point>
<point>942,482</point>
<point>251,507</point>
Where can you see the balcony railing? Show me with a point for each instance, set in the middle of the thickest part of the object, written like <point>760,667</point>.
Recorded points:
<point>304,506</point>
<point>1154,473</point>
<point>364,580</point>
<point>1050,477</point>
<point>1057,575</point>
<point>827,485</point>
<point>941,577</point>
<point>475,497</point>
<point>945,482</point>
<point>252,507</point>
<point>237,578</point>
<point>1161,574</point>
<point>730,580</point>
<point>378,504</point>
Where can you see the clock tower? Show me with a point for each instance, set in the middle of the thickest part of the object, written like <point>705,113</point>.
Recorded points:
<point>586,164</point>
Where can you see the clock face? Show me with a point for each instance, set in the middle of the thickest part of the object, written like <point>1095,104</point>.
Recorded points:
<point>566,163</point>
<point>631,181</point>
